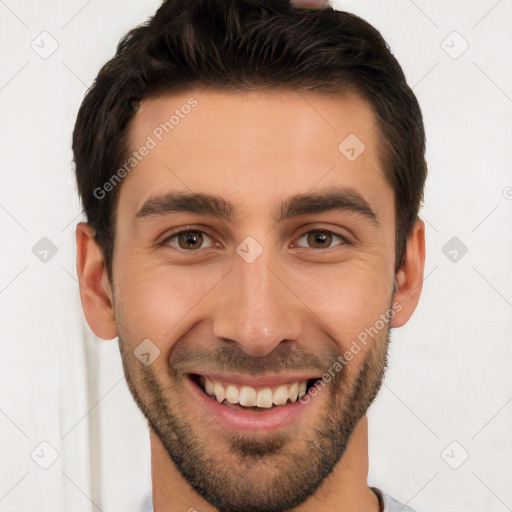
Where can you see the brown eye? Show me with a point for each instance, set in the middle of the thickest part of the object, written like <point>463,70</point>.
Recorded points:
<point>188,240</point>
<point>320,239</point>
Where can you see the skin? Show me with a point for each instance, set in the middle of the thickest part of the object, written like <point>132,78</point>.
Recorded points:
<point>211,309</point>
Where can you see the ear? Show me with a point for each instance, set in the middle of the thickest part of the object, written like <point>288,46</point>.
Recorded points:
<point>409,277</point>
<point>95,291</point>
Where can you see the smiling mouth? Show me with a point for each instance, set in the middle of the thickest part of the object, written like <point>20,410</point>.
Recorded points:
<point>252,398</point>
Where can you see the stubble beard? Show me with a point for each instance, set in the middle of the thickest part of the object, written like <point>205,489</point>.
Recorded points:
<point>271,472</point>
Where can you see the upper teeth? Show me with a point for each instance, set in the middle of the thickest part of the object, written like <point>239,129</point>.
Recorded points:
<point>251,397</point>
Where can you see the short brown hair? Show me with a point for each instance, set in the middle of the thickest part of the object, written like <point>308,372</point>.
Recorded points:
<point>243,45</point>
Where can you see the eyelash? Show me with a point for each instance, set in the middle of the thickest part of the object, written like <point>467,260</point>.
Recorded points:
<point>166,241</point>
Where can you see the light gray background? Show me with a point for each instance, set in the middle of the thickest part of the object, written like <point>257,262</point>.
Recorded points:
<point>448,392</point>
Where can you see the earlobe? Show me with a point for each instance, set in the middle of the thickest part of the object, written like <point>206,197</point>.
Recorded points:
<point>95,290</point>
<point>409,277</point>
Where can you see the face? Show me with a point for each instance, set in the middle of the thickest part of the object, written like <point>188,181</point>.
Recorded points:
<point>253,254</point>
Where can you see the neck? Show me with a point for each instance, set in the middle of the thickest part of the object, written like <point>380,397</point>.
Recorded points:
<point>345,490</point>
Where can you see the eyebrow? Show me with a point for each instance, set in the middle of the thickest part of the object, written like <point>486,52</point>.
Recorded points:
<point>343,199</point>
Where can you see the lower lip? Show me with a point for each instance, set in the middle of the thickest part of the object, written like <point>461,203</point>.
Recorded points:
<point>249,421</point>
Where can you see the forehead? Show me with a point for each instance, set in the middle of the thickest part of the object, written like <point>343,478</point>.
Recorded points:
<point>254,146</point>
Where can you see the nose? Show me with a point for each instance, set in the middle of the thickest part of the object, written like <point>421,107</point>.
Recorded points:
<point>255,306</point>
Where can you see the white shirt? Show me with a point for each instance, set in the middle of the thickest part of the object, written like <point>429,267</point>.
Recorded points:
<point>390,504</point>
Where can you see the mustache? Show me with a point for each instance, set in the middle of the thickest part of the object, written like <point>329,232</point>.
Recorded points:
<point>285,357</point>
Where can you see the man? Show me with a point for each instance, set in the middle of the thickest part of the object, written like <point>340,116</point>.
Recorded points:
<point>251,174</point>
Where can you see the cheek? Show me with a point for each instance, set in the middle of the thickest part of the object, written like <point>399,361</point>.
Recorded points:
<point>156,301</point>
<point>348,301</point>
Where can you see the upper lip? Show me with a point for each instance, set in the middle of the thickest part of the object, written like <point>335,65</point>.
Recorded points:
<point>260,380</point>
